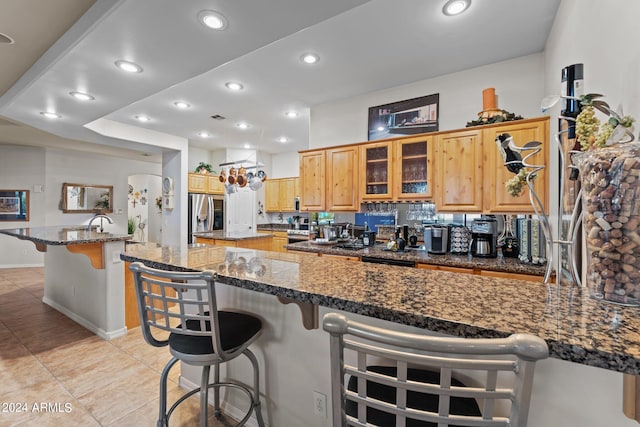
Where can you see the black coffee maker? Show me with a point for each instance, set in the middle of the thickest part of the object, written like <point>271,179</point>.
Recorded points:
<point>484,235</point>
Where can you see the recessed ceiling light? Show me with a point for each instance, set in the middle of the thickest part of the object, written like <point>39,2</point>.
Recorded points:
<point>213,20</point>
<point>143,118</point>
<point>5,39</point>
<point>247,145</point>
<point>82,96</point>
<point>242,125</point>
<point>181,105</point>
<point>204,134</point>
<point>291,114</point>
<point>310,58</point>
<point>283,139</point>
<point>127,66</point>
<point>50,114</point>
<point>455,7</point>
<point>234,86</point>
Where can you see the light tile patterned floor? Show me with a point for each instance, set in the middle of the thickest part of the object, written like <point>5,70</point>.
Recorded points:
<point>54,372</point>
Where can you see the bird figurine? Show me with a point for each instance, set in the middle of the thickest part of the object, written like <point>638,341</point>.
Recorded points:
<point>512,159</point>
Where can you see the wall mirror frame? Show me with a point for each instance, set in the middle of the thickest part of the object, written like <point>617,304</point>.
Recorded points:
<point>87,198</point>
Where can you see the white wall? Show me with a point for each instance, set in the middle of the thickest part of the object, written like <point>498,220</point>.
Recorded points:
<point>22,168</point>
<point>145,210</point>
<point>518,82</point>
<point>25,167</point>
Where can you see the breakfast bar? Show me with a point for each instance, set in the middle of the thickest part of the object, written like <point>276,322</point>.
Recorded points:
<point>83,274</point>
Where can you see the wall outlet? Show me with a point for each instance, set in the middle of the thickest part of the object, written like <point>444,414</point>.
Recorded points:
<point>319,404</point>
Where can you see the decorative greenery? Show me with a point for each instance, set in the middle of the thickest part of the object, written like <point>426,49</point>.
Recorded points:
<point>103,202</point>
<point>501,116</point>
<point>205,168</point>
<point>591,134</point>
<point>131,225</point>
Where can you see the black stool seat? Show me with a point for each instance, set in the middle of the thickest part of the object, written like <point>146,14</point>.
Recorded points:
<point>235,330</point>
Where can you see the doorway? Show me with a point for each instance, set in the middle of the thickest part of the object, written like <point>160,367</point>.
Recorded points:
<point>144,208</point>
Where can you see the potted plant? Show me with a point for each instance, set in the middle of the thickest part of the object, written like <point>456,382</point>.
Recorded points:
<point>205,168</point>
<point>131,225</point>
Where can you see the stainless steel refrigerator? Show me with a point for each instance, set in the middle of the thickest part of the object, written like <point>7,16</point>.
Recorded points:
<point>206,213</point>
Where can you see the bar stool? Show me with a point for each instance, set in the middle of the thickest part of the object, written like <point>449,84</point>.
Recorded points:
<point>403,379</point>
<point>184,305</point>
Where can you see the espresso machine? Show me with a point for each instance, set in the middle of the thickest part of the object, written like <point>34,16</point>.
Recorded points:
<point>484,235</point>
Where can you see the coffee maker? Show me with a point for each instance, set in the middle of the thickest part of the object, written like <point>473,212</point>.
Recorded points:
<point>439,239</point>
<point>484,235</point>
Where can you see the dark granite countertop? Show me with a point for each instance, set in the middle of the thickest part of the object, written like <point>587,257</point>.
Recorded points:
<point>508,265</point>
<point>273,227</point>
<point>576,327</point>
<point>63,235</point>
<point>231,236</point>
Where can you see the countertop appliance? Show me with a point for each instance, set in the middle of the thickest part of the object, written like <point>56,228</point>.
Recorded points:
<point>206,213</point>
<point>484,235</point>
<point>439,239</point>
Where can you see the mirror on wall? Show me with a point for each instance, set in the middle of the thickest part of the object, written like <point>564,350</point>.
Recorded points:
<point>84,198</point>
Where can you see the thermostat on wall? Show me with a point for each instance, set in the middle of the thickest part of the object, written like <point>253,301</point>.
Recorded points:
<point>167,202</point>
<point>167,186</point>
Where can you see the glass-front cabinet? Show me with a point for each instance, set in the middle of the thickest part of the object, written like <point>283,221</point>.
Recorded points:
<point>412,170</point>
<point>376,163</point>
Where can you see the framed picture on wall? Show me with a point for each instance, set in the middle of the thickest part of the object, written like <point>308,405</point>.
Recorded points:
<point>416,115</point>
<point>14,205</point>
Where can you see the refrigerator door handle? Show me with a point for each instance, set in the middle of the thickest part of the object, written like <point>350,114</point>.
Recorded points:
<point>210,213</point>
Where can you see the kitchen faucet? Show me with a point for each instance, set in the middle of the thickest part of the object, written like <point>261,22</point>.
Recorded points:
<point>101,216</point>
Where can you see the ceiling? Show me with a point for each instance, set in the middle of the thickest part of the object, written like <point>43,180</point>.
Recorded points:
<point>71,45</point>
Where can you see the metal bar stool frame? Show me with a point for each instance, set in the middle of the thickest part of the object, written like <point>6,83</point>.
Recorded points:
<point>516,354</point>
<point>184,304</point>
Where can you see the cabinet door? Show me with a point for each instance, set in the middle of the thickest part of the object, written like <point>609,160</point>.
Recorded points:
<point>214,186</point>
<point>197,183</point>
<point>459,172</point>
<point>312,176</point>
<point>412,171</point>
<point>272,195</point>
<point>287,194</point>
<point>375,163</point>
<point>342,179</point>
<point>496,197</point>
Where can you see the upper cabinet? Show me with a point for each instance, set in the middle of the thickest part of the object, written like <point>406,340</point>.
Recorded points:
<point>342,179</point>
<point>280,194</point>
<point>460,170</point>
<point>412,170</point>
<point>312,181</point>
<point>376,159</point>
<point>202,183</point>
<point>496,197</point>
<point>459,176</point>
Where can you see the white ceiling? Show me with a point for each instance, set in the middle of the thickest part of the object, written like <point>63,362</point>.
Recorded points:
<point>364,46</point>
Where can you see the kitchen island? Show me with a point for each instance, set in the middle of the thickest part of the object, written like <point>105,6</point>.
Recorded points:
<point>84,276</point>
<point>240,239</point>
<point>589,342</point>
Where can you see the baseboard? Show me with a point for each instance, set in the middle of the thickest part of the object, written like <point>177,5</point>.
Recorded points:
<point>20,265</point>
<point>105,335</point>
<point>226,408</point>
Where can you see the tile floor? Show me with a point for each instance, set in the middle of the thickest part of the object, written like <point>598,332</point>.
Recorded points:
<point>54,372</point>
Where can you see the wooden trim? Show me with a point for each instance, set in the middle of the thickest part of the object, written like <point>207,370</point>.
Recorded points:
<point>92,250</point>
<point>631,396</point>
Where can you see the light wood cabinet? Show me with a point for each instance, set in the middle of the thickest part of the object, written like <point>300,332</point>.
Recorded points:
<point>496,197</point>
<point>207,184</point>
<point>445,268</point>
<point>459,173</point>
<point>412,168</point>
<point>312,181</point>
<point>280,194</point>
<point>375,162</point>
<point>512,276</point>
<point>197,183</point>
<point>342,179</point>
<point>280,239</point>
